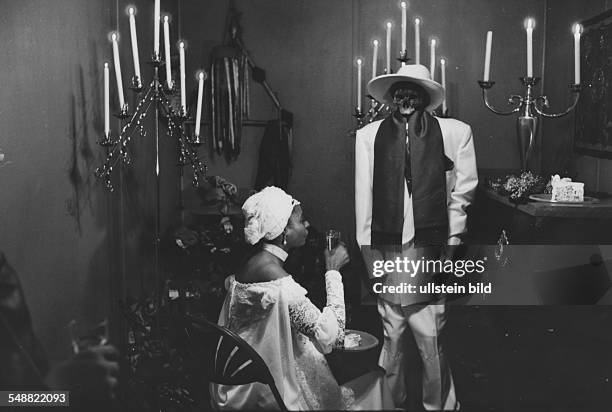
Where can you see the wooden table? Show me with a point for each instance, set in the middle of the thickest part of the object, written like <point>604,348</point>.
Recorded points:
<point>539,222</point>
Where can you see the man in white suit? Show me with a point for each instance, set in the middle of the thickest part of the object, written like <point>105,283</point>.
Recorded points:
<point>415,174</point>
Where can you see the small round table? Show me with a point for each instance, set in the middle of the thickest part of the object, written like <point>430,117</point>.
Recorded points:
<point>349,363</point>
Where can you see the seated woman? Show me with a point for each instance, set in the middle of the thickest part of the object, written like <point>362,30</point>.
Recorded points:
<point>270,311</point>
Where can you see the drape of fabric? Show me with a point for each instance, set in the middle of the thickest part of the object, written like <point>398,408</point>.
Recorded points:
<point>418,162</point>
<point>227,100</point>
<point>21,355</point>
<point>274,164</point>
<point>291,335</point>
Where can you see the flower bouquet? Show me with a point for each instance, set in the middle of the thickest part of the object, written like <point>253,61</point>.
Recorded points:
<point>518,188</point>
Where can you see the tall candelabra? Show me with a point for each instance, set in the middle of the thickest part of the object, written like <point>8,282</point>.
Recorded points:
<point>156,98</point>
<point>529,109</point>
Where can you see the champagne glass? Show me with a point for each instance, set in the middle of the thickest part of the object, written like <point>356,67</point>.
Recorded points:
<point>332,239</point>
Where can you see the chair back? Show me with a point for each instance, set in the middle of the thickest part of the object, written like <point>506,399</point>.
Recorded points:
<point>230,359</point>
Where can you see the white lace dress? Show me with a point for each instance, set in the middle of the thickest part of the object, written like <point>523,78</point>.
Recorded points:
<point>292,335</point>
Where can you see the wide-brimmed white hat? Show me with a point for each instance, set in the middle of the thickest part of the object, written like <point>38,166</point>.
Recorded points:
<point>380,87</point>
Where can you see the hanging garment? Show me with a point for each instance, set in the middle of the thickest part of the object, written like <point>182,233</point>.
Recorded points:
<point>274,156</point>
<point>228,103</point>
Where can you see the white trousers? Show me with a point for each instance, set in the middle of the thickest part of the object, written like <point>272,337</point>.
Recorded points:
<point>426,323</point>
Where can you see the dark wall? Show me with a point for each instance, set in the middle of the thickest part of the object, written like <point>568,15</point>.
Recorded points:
<point>75,246</point>
<point>558,133</point>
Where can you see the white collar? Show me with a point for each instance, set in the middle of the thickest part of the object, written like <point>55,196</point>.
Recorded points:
<point>276,251</point>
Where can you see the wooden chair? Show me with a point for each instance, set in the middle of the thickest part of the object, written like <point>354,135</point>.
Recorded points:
<point>231,360</point>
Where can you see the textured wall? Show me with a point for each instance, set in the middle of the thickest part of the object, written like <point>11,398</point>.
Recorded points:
<point>58,226</point>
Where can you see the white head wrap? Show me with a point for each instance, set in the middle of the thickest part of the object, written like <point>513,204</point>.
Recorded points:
<point>266,214</point>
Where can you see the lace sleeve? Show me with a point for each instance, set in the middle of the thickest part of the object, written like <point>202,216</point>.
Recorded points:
<point>325,328</point>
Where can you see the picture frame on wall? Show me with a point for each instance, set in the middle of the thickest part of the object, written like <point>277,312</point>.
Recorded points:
<point>593,126</point>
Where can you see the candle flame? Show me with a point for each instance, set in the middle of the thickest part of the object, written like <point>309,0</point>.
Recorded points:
<point>577,29</point>
<point>530,23</point>
<point>131,10</point>
<point>105,65</point>
<point>442,61</point>
<point>389,24</point>
<point>403,5</point>
<point>359,62</point>
<point>433,42</point>
<point>182,44</point>
<point>114,36</point>
<point>201,75</point>
<point>417,21</point>
<point>166,19</point>
<point>375,43</point>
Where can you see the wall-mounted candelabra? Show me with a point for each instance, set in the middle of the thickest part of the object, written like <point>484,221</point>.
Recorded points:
<point>379,110</point>
<point>529,107</point>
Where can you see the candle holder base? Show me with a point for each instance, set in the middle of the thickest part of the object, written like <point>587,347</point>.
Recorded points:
<point>169,89</point>
<point>576,88</point>
<point>196,140</point>
<point>529,81</point>
<point>156,60</point>
<point>403,57</point>
<point>136,85</point>
<point>124,113</point>
<point>106,141</point>
<point>485,84</point>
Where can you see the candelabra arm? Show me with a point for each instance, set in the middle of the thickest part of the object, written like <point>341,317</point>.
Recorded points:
<point>514,100</point>
<point>541,103</point>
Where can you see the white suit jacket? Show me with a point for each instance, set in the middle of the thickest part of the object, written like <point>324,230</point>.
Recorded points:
<point>461,181</point>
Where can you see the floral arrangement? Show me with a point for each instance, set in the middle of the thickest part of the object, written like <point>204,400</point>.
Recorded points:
<point>518,188</point>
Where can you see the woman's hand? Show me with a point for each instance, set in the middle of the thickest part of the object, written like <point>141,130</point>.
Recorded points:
<point>337,258</point>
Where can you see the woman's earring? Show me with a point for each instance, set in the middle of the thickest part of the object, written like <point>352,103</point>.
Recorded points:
<point>284,239</point>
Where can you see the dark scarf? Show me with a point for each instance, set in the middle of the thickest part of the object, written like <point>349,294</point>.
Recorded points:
<point>422,166</point>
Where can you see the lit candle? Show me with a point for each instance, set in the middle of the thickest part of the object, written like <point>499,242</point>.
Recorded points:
<point>577,29</point>
<point>432,60</point>
<point>156,23</point>
<point>167,51</point>
<point>117,64</point>
<point>487,65</point>
<point>389,26</point>
<point>199,106</point>
<point>403,6</point>
<point>443,72</point>
<point>374,57</point>
<point>182,71</point>
<point>529,25</point>
<point>132,13</point>
<point>359,63</point>
<point>106,100</point>
<point>417,41</point>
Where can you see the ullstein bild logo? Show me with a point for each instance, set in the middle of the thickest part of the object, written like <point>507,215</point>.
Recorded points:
<point>412,267</point>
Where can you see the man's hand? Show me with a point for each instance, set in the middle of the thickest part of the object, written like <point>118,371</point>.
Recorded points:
<point>91,375</point>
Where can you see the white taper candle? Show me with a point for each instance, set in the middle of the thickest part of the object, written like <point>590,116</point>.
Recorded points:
<point>156,23</point>
<point>432,61</point>
<point>359,64</point>
<point>182,76</point>
<point>487,65</point>
<point>132,13</point>
<point>106,100</point>
<point>167,51</point>
<point>443,74</point>
<point>577,29</point>
<point>529,25</point>
<point>388,66</point>
<point>417,41</point>
<point>199,105</point>
<point>374,57</point>
<point>117,64</point>
<point>403,6</point>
